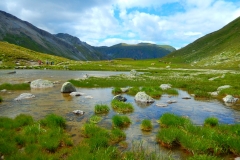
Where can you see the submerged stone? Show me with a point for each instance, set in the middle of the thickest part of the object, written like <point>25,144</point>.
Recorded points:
<point>119,98</point>
<point>40,83</point>
<point>24,96</point>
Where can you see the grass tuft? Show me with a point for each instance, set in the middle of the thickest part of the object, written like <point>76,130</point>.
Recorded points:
<point>120,121</point>
<point>146,125</point>
<point>122,107</point>
<point>101,109</point>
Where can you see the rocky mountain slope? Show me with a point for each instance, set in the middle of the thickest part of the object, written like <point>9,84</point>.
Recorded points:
<point>22,33</point>
<point>137,51</point>
<point>217,49</point>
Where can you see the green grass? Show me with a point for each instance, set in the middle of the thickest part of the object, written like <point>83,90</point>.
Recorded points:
<point>169,119</point>
<point>146,125</point>
<point>120,121</point>
<point>95,119</point>
<point>53,120</point>
<point>122,107</point>
<point>116,90</point>
<point>101,109</point>
<point>8,86</point>
<point>211,121</point>
<point>218,140</point>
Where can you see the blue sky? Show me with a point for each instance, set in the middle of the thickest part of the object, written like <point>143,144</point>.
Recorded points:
<point>108,22</point>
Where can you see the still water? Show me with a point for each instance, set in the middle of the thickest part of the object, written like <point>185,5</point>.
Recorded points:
<point>51,100</point>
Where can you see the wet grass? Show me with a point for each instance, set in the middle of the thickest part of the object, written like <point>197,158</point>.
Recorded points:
<point>122,107</point>
<point>210,139</point>
<point>120,121</point>
<point>95,119</point>
<point>101,109</point>
<point>8,86</point>
<point>146,125</point>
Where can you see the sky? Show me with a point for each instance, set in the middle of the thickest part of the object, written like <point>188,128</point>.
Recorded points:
<point>108,22</point>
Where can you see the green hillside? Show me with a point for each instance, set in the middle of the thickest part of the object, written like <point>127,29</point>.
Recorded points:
<point>136,51</point>
<point>220,49</point>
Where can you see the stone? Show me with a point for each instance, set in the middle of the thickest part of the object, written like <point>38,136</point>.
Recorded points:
<point>124,89</point>
<point>78,112</point>
<point>143,97</point>
<point>24,96</point>
<point>68,87</point>
<point>119,98</point>
<point>186,97</point>
<point>223,87</point>
<point>76,94</point>
<point>4,90</point>
<point>171,101</point>
<point>133,73</point>
<point>13,72</point>
<point>40,83</point>
<point>165,86</point>
<point>214,93</point>
<point>161,105</point>
<point>230,99</point>
<point>88,97</point>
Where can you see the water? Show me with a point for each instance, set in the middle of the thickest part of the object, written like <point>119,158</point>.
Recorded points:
<point>51,100</point>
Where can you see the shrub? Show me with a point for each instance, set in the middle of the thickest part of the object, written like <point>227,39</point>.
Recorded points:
<point>122,106</point>
<point>146,125</point>
<point>120,121</point>
<point>100,109</point>
<point>211,121</point>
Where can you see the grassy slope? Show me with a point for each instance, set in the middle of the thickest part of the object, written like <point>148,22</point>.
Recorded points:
<point>10,53</point>
<point>218,49</point>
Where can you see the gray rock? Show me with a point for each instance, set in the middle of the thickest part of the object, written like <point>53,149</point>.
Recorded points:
<point>79,112</point>
<point>24,96</point>
<point>161,105</point>
<point>223,87</point>
<point>230,99</point>
<point>68,87</point>
<point>186,97</point>
<point>40,83</point>
<point>165,86</point>
<point>76,94</point>
<point>143,97</point>
<point>214,93</point>
<point>171,101</point>
<point>124,89</point>
<point>133,73</point>
<point>119,98</point>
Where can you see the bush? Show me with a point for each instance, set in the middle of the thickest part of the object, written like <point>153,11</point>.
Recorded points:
<point>120,121</point>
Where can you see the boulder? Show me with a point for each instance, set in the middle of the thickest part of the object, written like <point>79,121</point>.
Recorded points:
<point>165,86</point>
<point>68,87</point>
<point>40,83</point>
<point>143,97</point>
<point>133,73</point>
<point>24,96</point>
<point>223,87</point>
<point>119,98</point>
<point>230,99</point>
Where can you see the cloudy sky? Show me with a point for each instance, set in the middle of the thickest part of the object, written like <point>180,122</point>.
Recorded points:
<point>107,22</point>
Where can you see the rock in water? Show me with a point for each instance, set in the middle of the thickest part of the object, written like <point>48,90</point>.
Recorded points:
<point>24,96</point>
<point>119,98</point>
<point>230,99</point>
<point>40,83</point>
<point>79,112</point>
<point>143,97</point>
<point>165,86</point>
<point>76,94</point>
<point>68,87</point>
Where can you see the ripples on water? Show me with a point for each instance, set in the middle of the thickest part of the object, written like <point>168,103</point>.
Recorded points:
<point>53,101</point>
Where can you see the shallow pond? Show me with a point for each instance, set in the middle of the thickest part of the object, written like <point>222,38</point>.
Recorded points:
<point>53,101</point>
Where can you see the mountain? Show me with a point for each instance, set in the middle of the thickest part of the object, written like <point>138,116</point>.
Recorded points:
<point>217,49</point>
<point>22,33</point>
<point>89,52</point>
<point>137,51</point>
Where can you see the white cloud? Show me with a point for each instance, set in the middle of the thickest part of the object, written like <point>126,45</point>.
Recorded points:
<point>95,21</point>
